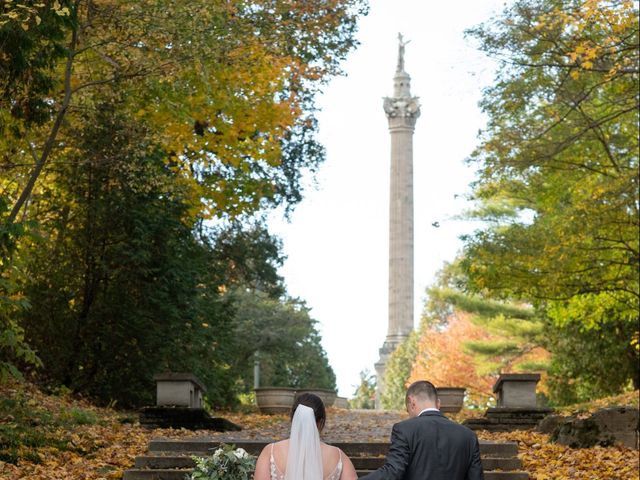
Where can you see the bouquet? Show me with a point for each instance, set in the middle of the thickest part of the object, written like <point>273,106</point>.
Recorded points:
<point>226,463</point>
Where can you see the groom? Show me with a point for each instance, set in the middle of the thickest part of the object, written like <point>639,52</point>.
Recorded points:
<point>429,446</point>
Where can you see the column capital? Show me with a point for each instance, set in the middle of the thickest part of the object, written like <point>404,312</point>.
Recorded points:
<point>402,107</point>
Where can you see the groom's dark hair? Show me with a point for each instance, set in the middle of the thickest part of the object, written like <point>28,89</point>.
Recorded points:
<point>422,389</point>
<point>312,401</point>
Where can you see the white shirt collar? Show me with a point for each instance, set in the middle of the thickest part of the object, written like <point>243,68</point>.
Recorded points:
<point>430,409</point>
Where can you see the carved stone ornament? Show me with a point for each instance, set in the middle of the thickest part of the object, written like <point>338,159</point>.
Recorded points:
<point>402,107</point>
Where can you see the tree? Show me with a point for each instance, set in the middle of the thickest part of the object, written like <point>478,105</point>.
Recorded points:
<point>13,347</point>
<point>115,274</point>
<point>591,361</point>
<point>246,255</point>
<point>467,340</point>
<point>442,359</point>
<point>126,126</point>
<point>558,160</point>
<point>228,97</point>
<point>397,373</point>
<point>557,185</point>
<point>285,338</point>
<point>365,394</point>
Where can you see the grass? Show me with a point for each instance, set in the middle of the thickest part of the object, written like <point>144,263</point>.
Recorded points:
<point>26,424</point>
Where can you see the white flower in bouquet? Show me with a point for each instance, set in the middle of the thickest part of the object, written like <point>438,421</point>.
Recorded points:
<point>241,453</point>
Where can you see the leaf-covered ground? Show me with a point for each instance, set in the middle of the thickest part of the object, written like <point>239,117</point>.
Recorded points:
<point>57,437</point>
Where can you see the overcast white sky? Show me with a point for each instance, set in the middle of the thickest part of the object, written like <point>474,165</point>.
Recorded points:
<point>337,240</point>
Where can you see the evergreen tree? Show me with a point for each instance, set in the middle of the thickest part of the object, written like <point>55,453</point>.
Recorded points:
<point>398,372</point>
<point>365,395</point>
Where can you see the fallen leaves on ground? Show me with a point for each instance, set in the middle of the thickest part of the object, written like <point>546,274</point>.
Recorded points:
<point>546,461</point>
<point>103,450</point>
<point>628,399</point>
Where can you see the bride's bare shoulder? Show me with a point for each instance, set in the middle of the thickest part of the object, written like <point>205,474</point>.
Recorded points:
<point>280,444</point>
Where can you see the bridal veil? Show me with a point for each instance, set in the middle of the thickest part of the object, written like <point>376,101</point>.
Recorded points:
<point>304,460</point>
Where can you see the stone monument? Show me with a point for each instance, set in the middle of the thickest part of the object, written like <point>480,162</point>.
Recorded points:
<point>516,408</point>
<point>402,111</point>
<point>179,405</point>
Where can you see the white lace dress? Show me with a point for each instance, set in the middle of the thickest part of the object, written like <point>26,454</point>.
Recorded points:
<point>276,474</point>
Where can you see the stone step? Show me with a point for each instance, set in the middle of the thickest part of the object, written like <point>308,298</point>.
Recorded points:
<point>506,464</point>
<point>511,416</point>
<point>500,427</point>
<point>140,474</point>
<point>505,421</point>
<point>352,449</point>
<point>506,476</point>
<point>163,462</point>
<point>160,474</point>
<point>518,411</point>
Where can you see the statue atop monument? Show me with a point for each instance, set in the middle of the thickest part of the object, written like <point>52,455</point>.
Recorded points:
<point>402,104</point>
<point>401,45</point>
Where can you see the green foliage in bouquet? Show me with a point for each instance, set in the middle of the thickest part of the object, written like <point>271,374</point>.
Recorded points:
<point>226,463</point>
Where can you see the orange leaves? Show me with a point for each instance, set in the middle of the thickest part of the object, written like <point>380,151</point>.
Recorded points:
<point>442,359</point>
<point>446,358</point>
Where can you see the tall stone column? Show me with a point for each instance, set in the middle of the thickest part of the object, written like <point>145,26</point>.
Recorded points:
<point>402,112</point>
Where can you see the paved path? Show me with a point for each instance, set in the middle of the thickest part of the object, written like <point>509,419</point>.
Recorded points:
<point>342,426</point>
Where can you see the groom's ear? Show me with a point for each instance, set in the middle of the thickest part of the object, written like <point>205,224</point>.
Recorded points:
<point>407,402</point>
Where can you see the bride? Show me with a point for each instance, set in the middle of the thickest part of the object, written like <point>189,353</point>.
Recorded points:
<point>303,456</point>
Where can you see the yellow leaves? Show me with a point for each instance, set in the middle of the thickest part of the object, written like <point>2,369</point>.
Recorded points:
<point>635,341</point>
<point>545,460</point>
<point>613,22</point>
<point>60,10</point>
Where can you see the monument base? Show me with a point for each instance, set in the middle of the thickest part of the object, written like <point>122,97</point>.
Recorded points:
<point>388,347</point>
<point>183,417</point>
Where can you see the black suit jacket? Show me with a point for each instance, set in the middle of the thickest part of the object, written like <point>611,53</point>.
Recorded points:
<point>431,447</point>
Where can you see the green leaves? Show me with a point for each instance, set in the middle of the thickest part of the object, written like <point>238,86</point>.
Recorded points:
<point>281,332</point>
<point>558,168</point>
<point>558,152</point>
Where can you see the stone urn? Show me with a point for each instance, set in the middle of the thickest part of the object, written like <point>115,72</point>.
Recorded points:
<point>275,399</point>
<point>451,399</point>
<point>327,396</point>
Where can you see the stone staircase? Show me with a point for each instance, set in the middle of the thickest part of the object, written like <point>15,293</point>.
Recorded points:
<point>501,419</point>
<point>171,459</point>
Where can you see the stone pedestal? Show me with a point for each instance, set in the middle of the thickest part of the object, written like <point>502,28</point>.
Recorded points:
<point>516,390</point>
<point>179,405</point>
<point>179,390</point>
<point>451,399</point>
<point>517,407</point>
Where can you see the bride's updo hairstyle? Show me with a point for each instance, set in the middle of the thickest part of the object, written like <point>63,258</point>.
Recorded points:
<point>312,401</point>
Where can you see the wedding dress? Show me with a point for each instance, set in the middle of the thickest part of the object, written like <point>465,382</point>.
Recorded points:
<point>304,460</point>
